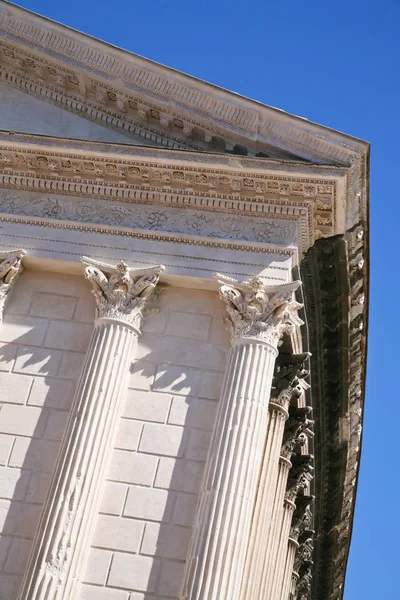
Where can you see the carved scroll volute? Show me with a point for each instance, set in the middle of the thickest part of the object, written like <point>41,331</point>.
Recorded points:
<point>121,292</point>
<point>10,269</point>
<point>257,310</point>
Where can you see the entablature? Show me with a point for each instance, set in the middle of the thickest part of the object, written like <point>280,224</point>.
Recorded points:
<point>209,196</point>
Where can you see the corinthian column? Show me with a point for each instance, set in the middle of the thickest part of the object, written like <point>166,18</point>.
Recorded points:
<point>299,583</point>
<point>258,316</point>
<point>287,387</point>
<point>270,540</point>
<point>300,476</point>
<point>10,269</point>
<point>63,539</point>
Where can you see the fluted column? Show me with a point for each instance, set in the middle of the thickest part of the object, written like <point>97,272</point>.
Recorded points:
<point>300,475</point>
<point>273,540</point>
<point>63,539</point>
<point>299,581</point>
<point>300,547</point>
<point>258,315</point>
<point>10,269</point>
<point>275,584</point>
<point>287,386</point>
<point>270,550</point>
<point>288,570</point>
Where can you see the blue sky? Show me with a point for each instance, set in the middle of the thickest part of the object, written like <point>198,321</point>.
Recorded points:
<point>337,64</point>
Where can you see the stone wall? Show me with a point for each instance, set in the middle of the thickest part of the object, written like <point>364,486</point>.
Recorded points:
<point>149,501</point>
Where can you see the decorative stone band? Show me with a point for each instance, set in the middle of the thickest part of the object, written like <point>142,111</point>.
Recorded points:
<point>60,548</point>
<point>10,269</point>
<point>258,316</point>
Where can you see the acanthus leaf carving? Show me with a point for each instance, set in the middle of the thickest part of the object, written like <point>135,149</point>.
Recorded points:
<point>257,310</point>
<point>289,378</point>
<point>10,268</point>
<point>300,475</point>
<point>121,292</point>
<point>298,429</point>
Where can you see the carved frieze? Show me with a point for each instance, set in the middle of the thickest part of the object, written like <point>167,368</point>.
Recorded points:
<point>10,268</point>
<point>120,292</point>
<point>257,310</point>
<point>153,218</point>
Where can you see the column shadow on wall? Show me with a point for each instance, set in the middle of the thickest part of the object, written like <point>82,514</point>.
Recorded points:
<point>35,456</point>
<point>170,546</point>
<point>32,455</point>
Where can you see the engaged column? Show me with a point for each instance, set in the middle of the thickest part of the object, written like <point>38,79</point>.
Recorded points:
<point>257,316</point>
<point>63,539</point>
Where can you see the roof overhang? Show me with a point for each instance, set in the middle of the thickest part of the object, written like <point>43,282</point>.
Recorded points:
<point>137,96</point>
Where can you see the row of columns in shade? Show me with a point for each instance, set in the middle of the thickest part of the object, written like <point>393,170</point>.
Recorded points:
<point>252,513</point>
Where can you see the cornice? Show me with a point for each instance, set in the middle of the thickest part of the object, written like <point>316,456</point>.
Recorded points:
<point>335,282</point>
<point>128,91</point>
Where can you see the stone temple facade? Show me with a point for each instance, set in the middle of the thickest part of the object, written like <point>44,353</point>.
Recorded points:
<point>183,297</point>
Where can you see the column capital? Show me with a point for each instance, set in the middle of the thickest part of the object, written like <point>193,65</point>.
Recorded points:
<point>257,310</point>
<point>298,429</point>
<point>121,292</point>
<point>303,586</point>
<point>300,475</point>
<point>289,382</point>
<point>302,519</point>
<point>304,553</point>
<point>10,268</point>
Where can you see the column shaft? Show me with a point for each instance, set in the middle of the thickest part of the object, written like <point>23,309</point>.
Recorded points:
<point>275,583</point>
<point>216,557</point>
<point>288,573</point>
<point>273,539</point>
<point>63,539</point>
<point>269,494</point>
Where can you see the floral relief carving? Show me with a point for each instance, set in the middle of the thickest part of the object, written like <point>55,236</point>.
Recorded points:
<point>171,220</point>
<point>121,292</point>
<point>257,310</point>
